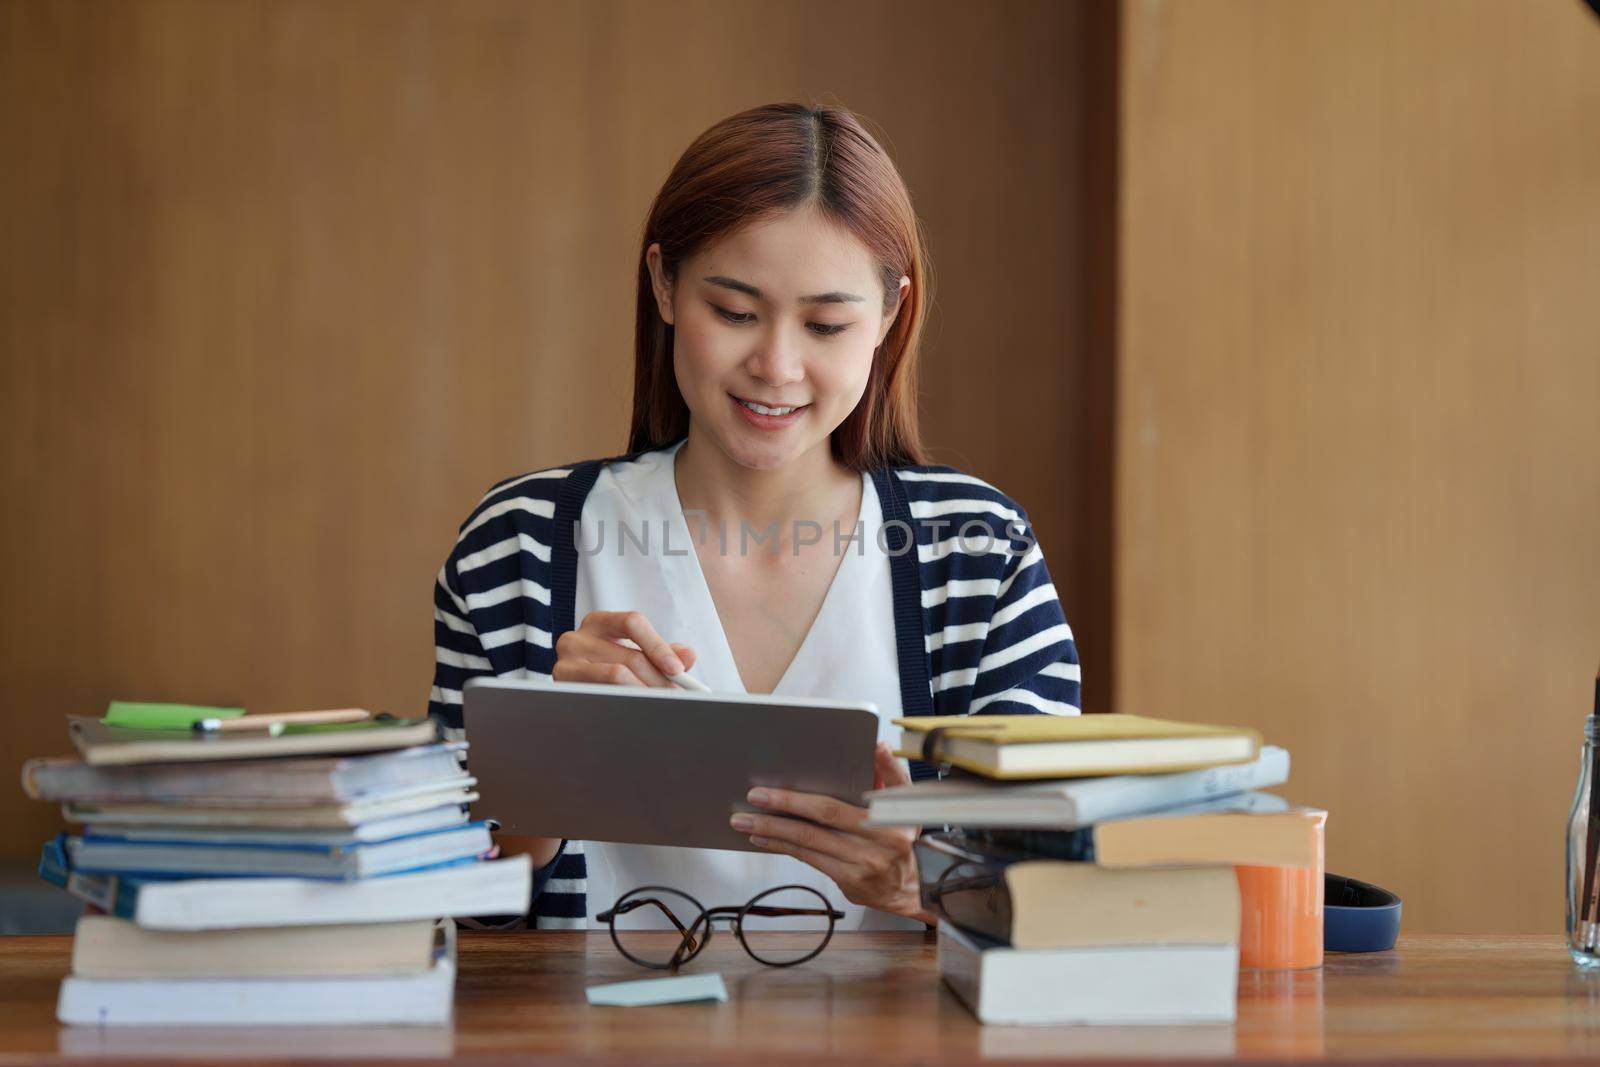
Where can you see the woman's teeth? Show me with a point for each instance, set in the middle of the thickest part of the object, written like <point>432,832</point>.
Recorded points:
<point>762,409</point>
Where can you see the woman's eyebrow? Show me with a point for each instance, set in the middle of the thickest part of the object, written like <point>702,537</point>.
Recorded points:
<point>750,290</point>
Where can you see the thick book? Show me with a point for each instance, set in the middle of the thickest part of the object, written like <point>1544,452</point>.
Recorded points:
<point>1035,904</point>
<point>1073,746</point>
<point>990,883</point>
<point>468,888</point>
<point>322,780</point>
<point>122,854</point>
<point>372,832</point>
<point>108,947</point>
<point>1123,985</point>
<point>421,999</point>
<point>1065,804</point>
<point>104,745</point>
<point>374,807</point>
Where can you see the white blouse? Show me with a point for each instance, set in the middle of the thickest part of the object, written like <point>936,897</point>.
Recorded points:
<point>848,654</point>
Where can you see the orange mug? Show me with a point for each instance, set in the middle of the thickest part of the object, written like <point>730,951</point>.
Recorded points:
<point>1280,912</point>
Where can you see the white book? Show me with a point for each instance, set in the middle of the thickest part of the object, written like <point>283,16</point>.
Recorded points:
<point>1066,804</point>
<point>1120,985</point>
<point>495,887</point>
<point>192,1045</point>
<point>422,999</point>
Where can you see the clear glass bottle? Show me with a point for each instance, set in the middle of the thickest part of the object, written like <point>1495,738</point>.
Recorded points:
<point>1583,925</point>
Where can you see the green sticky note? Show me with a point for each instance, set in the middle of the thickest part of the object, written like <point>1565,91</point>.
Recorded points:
<point>163,716</point>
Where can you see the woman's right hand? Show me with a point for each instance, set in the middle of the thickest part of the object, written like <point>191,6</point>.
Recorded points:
<point>596,652</point>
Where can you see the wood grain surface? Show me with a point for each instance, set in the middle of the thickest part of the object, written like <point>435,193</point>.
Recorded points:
<point>875,998</point>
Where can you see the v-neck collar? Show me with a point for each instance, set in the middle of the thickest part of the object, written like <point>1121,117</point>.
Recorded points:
<point>899,540</point>
<point>663,490</point>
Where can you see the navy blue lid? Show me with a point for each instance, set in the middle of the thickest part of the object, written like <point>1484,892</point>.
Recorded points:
<point>1358,916</point>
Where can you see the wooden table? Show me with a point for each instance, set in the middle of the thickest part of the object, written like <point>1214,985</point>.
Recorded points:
<point>875,998</point>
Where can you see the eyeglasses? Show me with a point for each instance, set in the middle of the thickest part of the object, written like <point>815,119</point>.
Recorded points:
<point>663,928</point>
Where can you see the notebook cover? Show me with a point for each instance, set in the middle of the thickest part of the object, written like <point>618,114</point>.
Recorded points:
<point>1025,729</point>
<point>115,745</point>
<point>989,771</point>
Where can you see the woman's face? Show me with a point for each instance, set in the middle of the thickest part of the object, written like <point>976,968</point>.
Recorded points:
<point>784,314</point>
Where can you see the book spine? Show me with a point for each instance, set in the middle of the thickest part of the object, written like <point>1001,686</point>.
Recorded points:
<point>990,923</point>
<point>111,894</point>
<point>30,777</point>
<point>53,865</point>
<point>1072,846</point>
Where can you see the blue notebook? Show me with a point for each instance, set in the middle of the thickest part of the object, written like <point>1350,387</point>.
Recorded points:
<point>175,902</point>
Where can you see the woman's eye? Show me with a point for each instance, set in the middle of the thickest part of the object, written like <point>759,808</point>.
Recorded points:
<point>743,318</point>
<point>739,317</point>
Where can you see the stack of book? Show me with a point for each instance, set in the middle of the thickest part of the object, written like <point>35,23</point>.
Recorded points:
<point>1086,869</point>
<point>298,875</point>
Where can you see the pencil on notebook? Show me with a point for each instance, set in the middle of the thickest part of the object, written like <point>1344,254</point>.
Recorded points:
<point>288,718</point>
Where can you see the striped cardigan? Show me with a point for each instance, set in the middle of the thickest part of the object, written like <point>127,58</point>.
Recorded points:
<point>978,625</point>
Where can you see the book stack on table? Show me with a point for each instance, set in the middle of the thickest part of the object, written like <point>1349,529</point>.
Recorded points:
<point>1089,867</point>
<point>300,876</point>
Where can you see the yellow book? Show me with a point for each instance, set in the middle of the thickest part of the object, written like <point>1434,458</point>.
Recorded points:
<point>1073,746</point>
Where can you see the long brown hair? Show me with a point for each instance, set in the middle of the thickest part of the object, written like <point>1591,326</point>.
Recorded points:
<point>761,163</point>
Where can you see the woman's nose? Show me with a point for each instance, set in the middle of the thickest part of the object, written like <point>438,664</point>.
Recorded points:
<point>777,360</point>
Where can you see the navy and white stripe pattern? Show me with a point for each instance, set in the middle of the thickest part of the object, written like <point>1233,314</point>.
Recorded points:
<point>993,636</point>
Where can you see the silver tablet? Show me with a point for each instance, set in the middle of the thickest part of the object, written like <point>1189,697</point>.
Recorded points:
<point>653,766</point>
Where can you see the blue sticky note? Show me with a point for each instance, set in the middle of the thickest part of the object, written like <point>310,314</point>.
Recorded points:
<point>675,990</point>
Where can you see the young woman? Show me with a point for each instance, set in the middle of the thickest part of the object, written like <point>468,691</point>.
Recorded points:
<point>773,526</point>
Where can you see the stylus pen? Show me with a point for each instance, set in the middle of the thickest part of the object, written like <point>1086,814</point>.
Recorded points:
<point>684,680</point>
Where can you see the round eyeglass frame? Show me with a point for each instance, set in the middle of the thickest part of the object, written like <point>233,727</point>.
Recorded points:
<point>708,915</point>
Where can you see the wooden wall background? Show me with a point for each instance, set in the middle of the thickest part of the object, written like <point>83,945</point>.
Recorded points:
<point>1358,428</point>
<point>284,286</point>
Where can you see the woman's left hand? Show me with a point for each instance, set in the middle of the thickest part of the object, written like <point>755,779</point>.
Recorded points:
<point>872,865</point>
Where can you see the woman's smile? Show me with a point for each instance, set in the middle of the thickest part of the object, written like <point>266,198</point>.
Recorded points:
<point>765,417</point>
